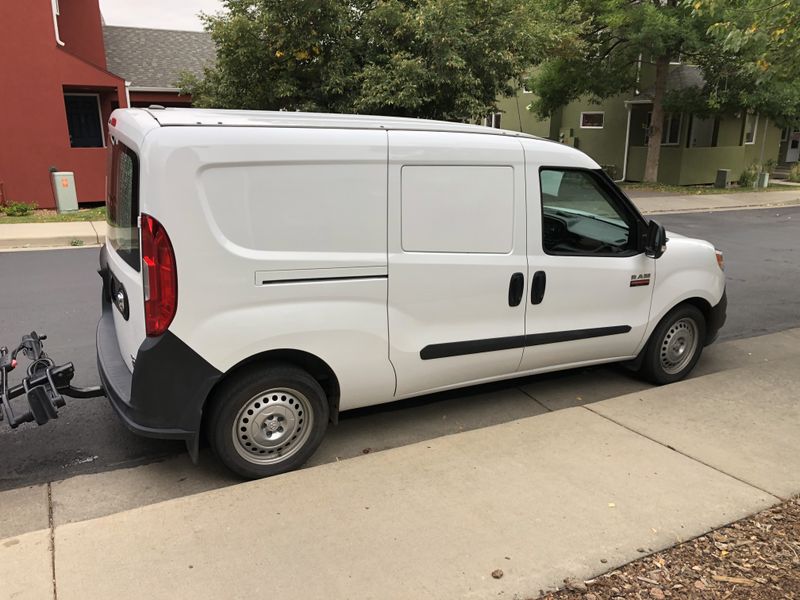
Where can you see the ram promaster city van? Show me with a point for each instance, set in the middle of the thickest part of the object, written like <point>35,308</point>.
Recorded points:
<point>265,271</point>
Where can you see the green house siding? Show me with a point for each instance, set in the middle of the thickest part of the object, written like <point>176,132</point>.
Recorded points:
<point>772,143</point>
<point>517,117</point>
<point>730,131</point>
<point>606,145</point>
<point>679,164</point>
<point>700,165</point>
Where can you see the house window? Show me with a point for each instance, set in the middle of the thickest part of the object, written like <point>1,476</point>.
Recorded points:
<point>492,120</point>
<point>750,128</point>
<point>83,120</point>
<point>670,129</point>
<point>784,134</point>
<point>592,120</point>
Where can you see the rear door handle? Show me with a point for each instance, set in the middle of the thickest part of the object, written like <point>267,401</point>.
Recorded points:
<point>537,287</point>
<point>516,288</point>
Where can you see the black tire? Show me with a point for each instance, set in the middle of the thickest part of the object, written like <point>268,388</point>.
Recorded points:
<point>663,361</point>
<point>254,405</point>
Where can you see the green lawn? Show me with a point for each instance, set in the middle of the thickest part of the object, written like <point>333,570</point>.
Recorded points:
<point>51,216</point>
<point>690,190</point>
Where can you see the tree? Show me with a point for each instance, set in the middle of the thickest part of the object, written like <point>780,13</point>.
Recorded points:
<point>617,36</point>
<point>446,59</point>
<point>280,55</point>
<point>765,37</point>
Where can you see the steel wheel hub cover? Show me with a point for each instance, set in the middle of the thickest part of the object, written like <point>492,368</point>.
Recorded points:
<point>272,426</point>
<point>679,346</point>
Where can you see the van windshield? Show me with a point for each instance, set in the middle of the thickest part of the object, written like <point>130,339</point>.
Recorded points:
<point>122,204</point>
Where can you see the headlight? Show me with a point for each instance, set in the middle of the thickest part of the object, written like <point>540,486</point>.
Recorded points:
<point>720,259</point>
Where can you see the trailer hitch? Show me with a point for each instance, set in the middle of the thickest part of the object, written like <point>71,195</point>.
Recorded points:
<point>44,385</point>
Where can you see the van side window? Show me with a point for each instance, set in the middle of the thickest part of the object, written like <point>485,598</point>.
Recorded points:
<point>457,209</point>
<point>579,215</point>
<point>122,205</point>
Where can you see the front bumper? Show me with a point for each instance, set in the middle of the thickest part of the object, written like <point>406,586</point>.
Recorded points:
<point>716,318</point>
<point>165,395</point>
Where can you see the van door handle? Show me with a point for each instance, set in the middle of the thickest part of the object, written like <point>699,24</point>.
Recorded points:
<point>537,287</point>
<point>516,289</point>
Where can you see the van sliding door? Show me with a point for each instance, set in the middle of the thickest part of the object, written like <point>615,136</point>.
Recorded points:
<point>457,258</point>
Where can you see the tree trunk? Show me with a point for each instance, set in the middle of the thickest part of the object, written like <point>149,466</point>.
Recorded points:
<point>656,121</point>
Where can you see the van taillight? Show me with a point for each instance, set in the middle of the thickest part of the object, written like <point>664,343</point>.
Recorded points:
<point>159,277</point>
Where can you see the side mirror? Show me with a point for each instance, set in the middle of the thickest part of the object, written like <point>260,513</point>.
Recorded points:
<point>656,241</point>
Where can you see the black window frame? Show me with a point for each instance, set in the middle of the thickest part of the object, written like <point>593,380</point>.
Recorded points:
<point>131,256</point>
<point>637,224</point>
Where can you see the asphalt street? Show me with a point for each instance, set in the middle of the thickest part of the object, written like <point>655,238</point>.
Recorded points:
<point>57,292</point>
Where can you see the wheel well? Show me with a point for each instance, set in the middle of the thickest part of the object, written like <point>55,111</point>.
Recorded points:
<point>702,305</point>
<point>313,365</point>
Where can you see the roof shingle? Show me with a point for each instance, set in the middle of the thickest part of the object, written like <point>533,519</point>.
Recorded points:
<point>156,57</point>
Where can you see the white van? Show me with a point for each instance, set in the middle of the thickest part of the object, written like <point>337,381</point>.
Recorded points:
<point>265,271</point>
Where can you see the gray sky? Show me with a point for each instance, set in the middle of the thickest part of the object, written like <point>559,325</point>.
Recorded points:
<point>158,14</point>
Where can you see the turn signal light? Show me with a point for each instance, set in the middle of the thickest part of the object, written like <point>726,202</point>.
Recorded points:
<point>720,260</point>
<point>159,277</point>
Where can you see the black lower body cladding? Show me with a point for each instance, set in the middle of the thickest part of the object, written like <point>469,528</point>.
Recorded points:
<point>165,394</point>
<point>716,318</point>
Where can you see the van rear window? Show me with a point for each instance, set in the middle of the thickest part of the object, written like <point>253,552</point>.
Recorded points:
<point>122,204</point>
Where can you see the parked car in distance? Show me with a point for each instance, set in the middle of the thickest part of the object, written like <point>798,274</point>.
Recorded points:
<point>265,271</point>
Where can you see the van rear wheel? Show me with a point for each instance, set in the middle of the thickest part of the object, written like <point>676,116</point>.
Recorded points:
<point>675,345</point>
<point>267,421</point>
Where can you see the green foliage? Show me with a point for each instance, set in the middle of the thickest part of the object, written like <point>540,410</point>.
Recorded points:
<point>794,173</point>
<point>750,175</point>
<point>615,35</point>
<point>19,209</point>
<point>447,59</point>
<point>764,38</point>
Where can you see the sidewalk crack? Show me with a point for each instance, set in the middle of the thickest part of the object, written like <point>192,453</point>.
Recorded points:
<point>52,538</point>
<point>96,233</point>
<point>690,457</point>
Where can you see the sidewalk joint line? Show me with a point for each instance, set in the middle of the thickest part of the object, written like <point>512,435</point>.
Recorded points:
<point>693,458</point>
<point>51,524</point>
<point>534,398</point>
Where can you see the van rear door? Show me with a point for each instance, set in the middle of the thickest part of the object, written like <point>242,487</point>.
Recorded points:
<point>123,249</point>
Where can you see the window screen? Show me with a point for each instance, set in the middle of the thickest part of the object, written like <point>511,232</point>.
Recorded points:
<point>83,121</point>
<point>122,204</point>
<point>458,209</point>
<point>592,120</point>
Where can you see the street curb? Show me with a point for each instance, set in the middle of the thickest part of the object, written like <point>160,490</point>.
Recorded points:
<point>76,234</point>
<point>787,204</point>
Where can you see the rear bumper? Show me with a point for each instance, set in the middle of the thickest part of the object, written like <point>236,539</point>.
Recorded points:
<point>117,381</point>
<point>716,318</point>
<point>165,395</point>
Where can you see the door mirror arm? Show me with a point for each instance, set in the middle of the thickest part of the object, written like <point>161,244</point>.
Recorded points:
<point>656,240</point>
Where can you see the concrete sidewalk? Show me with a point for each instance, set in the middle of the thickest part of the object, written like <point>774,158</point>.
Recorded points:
<point>571,493</point>
<point>43,235</point>
<point>54,235</point>
<point>650,203</point>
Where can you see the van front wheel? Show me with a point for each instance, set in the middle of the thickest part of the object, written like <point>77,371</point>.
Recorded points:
<point>675,346</point>
<point>267,421</point>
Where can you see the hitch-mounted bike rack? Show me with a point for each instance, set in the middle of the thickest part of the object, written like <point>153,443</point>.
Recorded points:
<point>44,385</point>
